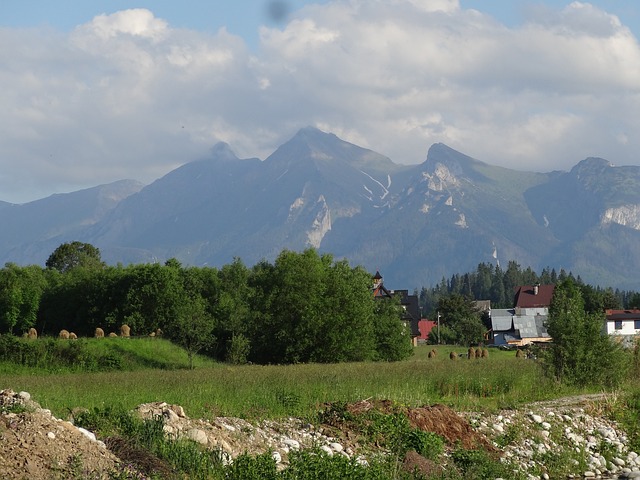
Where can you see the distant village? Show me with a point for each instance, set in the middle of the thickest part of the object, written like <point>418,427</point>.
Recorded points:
<point>521,326</point>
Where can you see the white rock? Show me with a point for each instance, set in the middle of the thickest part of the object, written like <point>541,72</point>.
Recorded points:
<point>536,418</point>
<point>546,425</point>
<point>498,427</point>
<point>26,396</point>
<point>51,435</point>
<point>327,449</point>
<point>179,411</point>
<point>336,447</point>
<point>198,436</point>
<point>276,457</point>
<point>90,435</point>
<point>171,415</point>
<point>291,443</point>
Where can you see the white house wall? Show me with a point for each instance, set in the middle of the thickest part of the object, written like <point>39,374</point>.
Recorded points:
<point>628,328</point>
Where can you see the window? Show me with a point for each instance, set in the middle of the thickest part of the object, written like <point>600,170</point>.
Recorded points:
<point>618,324</point>
<point>636,324</point>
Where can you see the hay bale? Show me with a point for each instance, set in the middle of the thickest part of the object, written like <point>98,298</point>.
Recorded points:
<point>73,336</point>
<point>113,334</point>
<point>485,353</point>
<point>125,331</point>
<point>33,333</point>
<point>158,332</point>
<point>152,334</point>
<point>64,334</point>
<point>453,356</point>
<point>471,353</point>
<point>435,352</point>
<point>99,333</point>
<point>519,354</point>
<point>430,355</point>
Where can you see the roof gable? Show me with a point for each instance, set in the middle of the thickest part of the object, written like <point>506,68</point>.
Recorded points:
<point>533,296</point>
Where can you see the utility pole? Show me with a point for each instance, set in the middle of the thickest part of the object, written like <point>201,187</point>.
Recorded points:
<point>438,314</point>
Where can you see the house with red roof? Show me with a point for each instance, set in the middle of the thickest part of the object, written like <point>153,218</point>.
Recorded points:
<point>533,296</point>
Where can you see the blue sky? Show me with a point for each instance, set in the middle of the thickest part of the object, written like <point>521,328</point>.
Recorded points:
<point>244,17</point>
<point>97,91</point>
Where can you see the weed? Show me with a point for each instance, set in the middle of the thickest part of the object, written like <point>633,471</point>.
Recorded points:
<point>511,435</point>
<point>75,466</point>
<point>479,465</point>
<point>246,466</point>
<point>288,399</point>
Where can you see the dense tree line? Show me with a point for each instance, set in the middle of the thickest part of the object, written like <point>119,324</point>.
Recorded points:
<point>491,282</point>
<point>304,307</point>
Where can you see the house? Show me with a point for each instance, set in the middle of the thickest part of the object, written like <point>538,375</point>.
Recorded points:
<point>624,324</point>
<point>409,303</point>
<point>518,327</point>
<point>525,323</point>
<point>533,296</point>
<point>425,326</point>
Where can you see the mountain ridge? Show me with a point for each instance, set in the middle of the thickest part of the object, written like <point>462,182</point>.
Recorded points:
<point>414,223</point>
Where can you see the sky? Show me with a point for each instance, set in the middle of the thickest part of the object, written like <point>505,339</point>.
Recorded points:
<point>97,91</point>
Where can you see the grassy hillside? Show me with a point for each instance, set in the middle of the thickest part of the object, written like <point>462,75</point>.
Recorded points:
<point>45,356</point>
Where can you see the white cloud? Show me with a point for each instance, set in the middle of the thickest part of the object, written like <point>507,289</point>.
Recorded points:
<point>128,96</point>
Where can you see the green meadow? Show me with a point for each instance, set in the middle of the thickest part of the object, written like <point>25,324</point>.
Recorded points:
<point>149,370</point>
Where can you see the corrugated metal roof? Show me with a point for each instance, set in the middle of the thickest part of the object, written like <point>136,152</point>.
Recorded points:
<point>522,326</point>
<point>526,326</point>
<point>501,319</point>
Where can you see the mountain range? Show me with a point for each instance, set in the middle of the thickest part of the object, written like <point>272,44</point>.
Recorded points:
<point>415,224</point>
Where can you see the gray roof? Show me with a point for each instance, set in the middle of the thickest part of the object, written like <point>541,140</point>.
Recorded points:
<point>501,319</point>
<point>524,326</point>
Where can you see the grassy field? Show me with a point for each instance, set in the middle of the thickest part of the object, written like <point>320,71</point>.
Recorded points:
<point>158,373</point>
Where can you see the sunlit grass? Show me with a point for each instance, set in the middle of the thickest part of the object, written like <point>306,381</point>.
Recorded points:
<point>254,391</point>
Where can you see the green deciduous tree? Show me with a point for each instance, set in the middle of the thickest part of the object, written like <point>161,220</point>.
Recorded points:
<point>21,289</point>
<point>74,254</point>
<point>392,334</point>
<point>192,326</point>
<point>581,353</point>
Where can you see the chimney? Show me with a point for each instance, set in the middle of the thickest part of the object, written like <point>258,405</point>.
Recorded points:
<point>536,287</point>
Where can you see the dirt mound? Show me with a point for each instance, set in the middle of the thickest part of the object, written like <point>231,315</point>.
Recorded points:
<point>437,418</point>
<point>36,445</point>
<point>448,424</point>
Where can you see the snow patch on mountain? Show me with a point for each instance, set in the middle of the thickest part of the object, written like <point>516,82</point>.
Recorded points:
<point>321,224</point>
<point>626,215</point>
<point>385,190</point>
